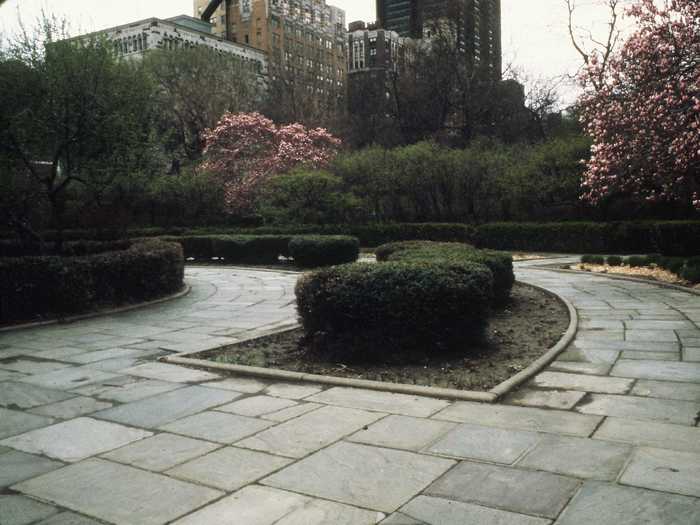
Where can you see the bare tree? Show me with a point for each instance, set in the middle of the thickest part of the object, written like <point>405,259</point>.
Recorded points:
<point>586,44</point>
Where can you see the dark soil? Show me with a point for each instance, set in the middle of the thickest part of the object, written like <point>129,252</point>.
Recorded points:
<point>523,331</point>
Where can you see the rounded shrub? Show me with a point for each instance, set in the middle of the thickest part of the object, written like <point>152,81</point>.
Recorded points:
<point>250,249</point>
<point>374,311</point>
<point>312,251</point>
<point>35,286</point>
<point>455,254</point>
<point>615,260</point>
<point>593,259</point>
<point>691,270</point>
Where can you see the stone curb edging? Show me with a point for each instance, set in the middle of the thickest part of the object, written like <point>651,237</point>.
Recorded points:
<point>538,365</point>
<point>491,396</point>
<point>623,278</point>
<point>65,320</point>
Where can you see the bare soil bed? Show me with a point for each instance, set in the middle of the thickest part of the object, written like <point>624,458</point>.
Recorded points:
<point>524,330</point>
<point>652,273</point>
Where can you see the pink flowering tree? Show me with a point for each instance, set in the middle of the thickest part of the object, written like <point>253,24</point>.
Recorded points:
<point>246,149</point>
<point>642,108</point>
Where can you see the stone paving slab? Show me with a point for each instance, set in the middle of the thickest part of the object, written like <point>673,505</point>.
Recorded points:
<point>13,422</point>
<point>664,470</point>
<point>361,475</point>
<point>667,390</point>
<point>162,409</point>
<point>170,373</point>
<point>301,436</point>
<point>558,399</point>
<point>257,406</point>
<point>660,370</point>
<point>581,367</point>
<point>650,433</point>
<point>607,504</point>
<point>217,426</point>
<point>68,378</point>
<point>17,466</point>
<point>578,457</point>
<point>534,493</point>
<point>23,396</point>
<point>380,401</point>
<point>485,443</point>
<point>521,418</point>
<point>71,408</point>
<point>33,366</point>
<point>229,468</point>
<point>438,511</point>
<point>292,412</point>
<point>239,384</point>
<point>292,391</point>
<point>125,389</point>
<point>68,518</point>
<point>118,493</point>
<point>632,407</point>
<point>402,432</point>
<point>76,439</point>
<point>585,383</point>
<point>161,452</point>
<point>255,505</point>
<point>18,510</point>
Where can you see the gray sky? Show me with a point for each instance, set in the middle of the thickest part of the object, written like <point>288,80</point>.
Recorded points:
<point>535,38</point>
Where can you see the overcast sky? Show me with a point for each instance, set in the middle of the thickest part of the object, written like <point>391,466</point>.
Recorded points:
<point>535,37</point>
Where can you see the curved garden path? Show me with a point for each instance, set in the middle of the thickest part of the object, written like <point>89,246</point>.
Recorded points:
<point>93,430</point>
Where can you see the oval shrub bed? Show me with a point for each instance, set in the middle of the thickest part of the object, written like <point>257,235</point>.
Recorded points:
<point>421,298</point>
<point>85,276</point>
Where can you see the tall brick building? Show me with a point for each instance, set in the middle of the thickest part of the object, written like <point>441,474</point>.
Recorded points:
<point>478,26</point>
<point>305,39</point>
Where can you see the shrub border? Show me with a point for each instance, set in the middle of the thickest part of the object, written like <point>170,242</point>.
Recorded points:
<point>191,359</point>
<point>186,289</point>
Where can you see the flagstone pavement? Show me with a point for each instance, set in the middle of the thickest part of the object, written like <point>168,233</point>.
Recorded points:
<point>94,430</point>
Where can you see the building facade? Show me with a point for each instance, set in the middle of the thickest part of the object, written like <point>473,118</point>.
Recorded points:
<point>477,24</point>
<point>133,40</point>
<point>305,40</point>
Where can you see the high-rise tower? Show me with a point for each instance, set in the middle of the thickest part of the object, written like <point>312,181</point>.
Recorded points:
<point>478,26</point>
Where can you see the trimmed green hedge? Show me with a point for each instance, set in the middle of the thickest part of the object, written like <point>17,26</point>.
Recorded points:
<point>375,311</point>
<point>313,251</point>
<point>500,264</point>
<point>669,238</point>
<point>307,250</point>
<point>54,285</point>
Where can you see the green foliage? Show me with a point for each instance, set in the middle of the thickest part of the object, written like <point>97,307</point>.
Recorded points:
<point>36,286</point>
<point>314,251</point>
<point>591,237</point>
<point>691,270</point>
<point>593,259</point>
<point>454,254</point>
<point>375,311</point>
<point>71,115</point>
<point>636,261</point>
<point>485,181</point>
<point>308,197</point>
<point>615,260</point>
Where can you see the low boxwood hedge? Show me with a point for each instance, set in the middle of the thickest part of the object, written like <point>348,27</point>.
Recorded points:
<point>314,251</point>
<point>373,311</point>
<point>34,286</point>
<point>306,250</point>
<point>676,238</point>
<point>500,264</point>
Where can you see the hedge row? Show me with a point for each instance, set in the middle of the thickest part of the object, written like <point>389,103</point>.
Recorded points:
<point>306,250</point>
<point>55,285</point>
<point>500,264</point>
<point>370,235</point>
<point>668,238</point>
<point>371,312</point>
<point>675,238</point>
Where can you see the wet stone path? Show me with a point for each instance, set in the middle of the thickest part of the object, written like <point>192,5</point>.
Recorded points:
<point>94,430</point>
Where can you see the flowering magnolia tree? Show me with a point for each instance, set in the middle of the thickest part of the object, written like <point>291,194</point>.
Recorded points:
<point>246,149</point>
<point>642,108</point>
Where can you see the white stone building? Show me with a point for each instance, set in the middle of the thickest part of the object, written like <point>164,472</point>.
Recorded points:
<point>134,40</point>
